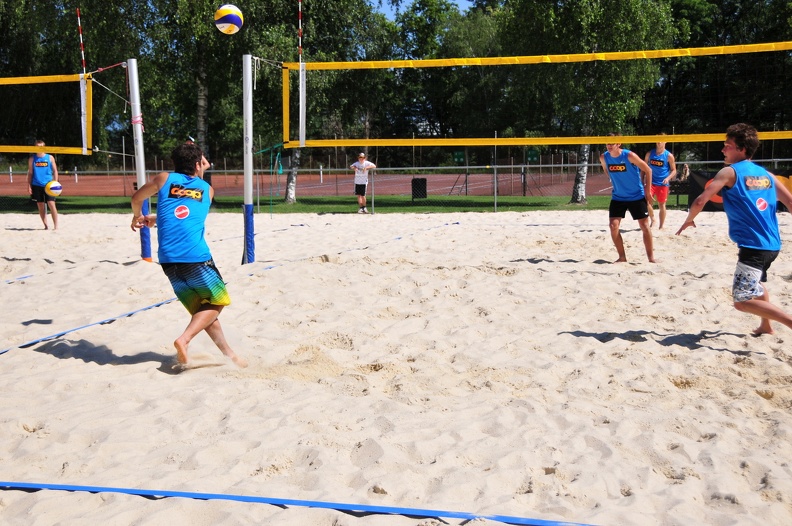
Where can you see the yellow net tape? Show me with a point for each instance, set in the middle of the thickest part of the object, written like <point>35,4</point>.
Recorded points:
<point>523,60</point>
<point>44,79</point>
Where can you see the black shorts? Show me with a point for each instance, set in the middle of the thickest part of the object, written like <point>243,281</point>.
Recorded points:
<point>758,259</point>
<point>360,189</point>
<point>39,195</point>
<point>638,209</point>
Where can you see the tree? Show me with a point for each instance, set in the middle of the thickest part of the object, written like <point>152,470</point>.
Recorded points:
<point>594,97</point>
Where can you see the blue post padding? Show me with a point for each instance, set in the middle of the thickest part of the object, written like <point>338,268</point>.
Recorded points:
<point>145,236</point>
<point>249,254</point>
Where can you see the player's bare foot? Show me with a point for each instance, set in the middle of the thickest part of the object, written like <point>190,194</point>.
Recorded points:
<point>621,260</point>
<point>762,330</point>
<point>181,352</point>
<point>234,357</point>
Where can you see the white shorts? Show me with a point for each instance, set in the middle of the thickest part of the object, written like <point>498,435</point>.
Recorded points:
<point>747,283</point>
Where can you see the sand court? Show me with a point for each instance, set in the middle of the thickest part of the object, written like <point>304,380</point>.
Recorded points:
<point>495,364</point>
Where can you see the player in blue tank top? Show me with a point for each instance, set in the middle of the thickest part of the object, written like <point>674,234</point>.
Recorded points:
<point>41,170</point>
<point>183,200</point>
<point>630,192</point>
<point>663,166</point>
<point>749,195</point>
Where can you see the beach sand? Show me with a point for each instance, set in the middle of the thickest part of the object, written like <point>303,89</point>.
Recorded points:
<point>494,364</point>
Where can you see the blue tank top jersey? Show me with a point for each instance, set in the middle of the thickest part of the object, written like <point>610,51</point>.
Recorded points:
<point>659,165</point>
<point>182,206</point>
<point>42,170</point>
<point>625,177</point>
<point>750,206</point>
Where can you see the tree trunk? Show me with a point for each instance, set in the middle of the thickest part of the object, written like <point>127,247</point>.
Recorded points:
<point>291,179</point>
<point>579,188</point>
<point>201,125</point>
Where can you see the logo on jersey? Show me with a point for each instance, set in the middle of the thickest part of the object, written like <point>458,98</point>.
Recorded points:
<point>180,192</point>
<point>42,164</point>
<point>617,167</point>
<point>760,182</point>
<point>181,212</point>
<point>656,162</point>
<point>761,204</point>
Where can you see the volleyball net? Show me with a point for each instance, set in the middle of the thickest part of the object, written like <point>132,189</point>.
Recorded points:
<point>66,97</point>
<point>302,68</point>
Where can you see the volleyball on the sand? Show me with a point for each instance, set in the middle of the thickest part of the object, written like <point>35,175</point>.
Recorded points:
<point>228,19</point>
<point>53,188</point>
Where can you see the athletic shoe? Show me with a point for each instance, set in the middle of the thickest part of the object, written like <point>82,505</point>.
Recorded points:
<point>365,210</point>
<point>361,210</point>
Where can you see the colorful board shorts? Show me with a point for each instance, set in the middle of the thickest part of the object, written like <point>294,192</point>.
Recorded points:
<point>660,192</point>
<point>197,284</point>
<point>751,271</point>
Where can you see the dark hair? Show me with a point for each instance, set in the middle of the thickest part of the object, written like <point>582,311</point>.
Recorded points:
<point>745,138</point>
<point>184,158</point>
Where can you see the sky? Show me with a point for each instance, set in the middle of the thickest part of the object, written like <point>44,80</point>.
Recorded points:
<point>463,5</point>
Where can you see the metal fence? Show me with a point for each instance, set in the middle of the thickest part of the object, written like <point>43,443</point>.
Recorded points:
<point>440,187</point>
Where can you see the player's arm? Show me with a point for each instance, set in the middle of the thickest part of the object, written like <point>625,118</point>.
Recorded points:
<point>784,195</point>
<point>54,168</point>
<point>724,178</point>
<point>138,198</point>
<point>603,163</point>
<point>672,166</point>
<point>645,170</point>
<point>30,171</point>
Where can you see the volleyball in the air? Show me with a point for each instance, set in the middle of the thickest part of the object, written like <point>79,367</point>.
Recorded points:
<point>53,188</point>
<point>228,19</point>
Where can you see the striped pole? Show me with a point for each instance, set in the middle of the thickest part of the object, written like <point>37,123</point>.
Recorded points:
<point>82,47</point>
<point>299,29</point>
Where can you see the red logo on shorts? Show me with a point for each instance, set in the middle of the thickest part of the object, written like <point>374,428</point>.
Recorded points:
<point>181,212</point>
<point>761,204</point>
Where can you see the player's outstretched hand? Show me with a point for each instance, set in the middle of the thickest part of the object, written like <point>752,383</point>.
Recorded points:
<point>685,225</point>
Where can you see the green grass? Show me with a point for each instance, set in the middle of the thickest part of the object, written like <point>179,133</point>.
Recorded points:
<point>339,205</point>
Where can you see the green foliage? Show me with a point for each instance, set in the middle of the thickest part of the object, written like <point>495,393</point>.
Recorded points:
<point>190,73</point>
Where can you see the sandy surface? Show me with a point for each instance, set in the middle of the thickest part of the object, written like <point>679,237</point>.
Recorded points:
<point>490,364</point>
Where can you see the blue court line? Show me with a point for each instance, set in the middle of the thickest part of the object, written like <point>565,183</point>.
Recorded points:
<point>103,322</point>
<point>338,506</point>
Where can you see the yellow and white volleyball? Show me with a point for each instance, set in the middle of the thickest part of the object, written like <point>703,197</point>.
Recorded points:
<point>53,188</point>
<point>228,19</point>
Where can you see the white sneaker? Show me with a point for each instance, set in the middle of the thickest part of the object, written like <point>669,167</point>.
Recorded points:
<point>361,210</point>
<point>365,210</point>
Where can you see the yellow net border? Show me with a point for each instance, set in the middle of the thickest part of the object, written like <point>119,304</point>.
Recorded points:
<point>85,149</point>
<point>522,60</point>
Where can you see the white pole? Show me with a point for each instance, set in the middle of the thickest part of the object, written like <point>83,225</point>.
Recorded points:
<point>137,121</point>
<point>11,173</point>
<point>140,158</point>
<point>249,250</point>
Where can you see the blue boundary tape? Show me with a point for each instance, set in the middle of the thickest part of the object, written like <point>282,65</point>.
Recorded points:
<point>338,506</point>
<point>102,322</point>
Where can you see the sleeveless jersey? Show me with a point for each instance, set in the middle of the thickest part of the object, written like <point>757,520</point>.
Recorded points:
<point>42,170</point>
<point>625,177</point>
<point>658,162</point>
<point>750,206</point>
<point>182,206</point>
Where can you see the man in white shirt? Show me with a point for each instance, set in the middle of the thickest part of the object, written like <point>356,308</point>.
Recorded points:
<point>361,167</point>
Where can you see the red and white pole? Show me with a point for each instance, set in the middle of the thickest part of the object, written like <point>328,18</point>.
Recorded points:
<point>82,47</point>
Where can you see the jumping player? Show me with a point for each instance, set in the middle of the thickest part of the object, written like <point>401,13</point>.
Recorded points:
<point>749,200</point>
